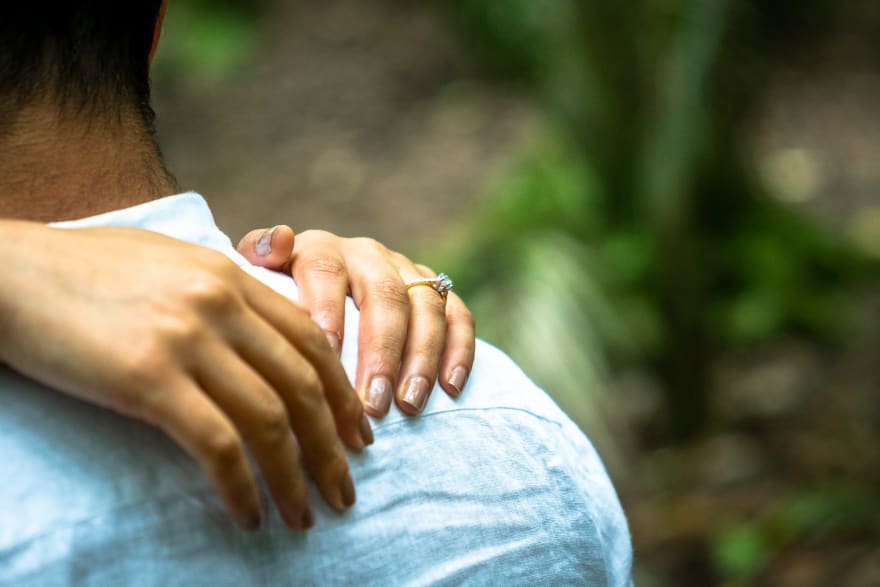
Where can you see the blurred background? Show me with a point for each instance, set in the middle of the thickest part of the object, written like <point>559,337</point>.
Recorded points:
<point>667,211</point>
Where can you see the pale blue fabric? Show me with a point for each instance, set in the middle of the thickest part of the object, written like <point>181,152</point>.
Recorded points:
<point>498,487</point>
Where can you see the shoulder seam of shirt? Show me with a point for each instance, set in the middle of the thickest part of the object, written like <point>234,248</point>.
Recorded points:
<point>380,426</point>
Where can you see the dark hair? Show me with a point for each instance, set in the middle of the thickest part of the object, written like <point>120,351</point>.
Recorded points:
<point>90,56</point>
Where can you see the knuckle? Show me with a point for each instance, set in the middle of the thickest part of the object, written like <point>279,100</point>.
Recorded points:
<point>310,392</point>
<point>325,310</point>
<point>324,266</point>
<point>311,383</point>
<point>210,293</point>
<point>274,424</point>
<point>468,319</point>
<point>425,269</point>
<point>223,448</point>
<point>336,466</point>
<point>391,293</point>
<point>316,234</point>
<point>313,339</point>
<point>327,460</point>
<point>352,409</point>
<point>387,345</point>
<point>179,331</point>
<point>147,407</point>
<point>399,258</point>
<point>216,263</point>
<point>147,396</point>
<point>370,245</point>
<point>429,350</point>
<point>303,316</point>
<point>461,316</point>
<point>144,365</point>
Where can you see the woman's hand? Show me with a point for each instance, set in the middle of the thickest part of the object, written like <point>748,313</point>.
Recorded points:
<point>406,337</point>
<point>178,336</point>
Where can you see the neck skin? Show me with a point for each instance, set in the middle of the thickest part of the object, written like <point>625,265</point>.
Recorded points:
<point>58,166</point>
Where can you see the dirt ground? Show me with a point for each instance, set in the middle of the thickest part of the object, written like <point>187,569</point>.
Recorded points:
<point>362,118</point>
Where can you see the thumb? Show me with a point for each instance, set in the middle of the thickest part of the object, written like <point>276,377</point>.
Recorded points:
<point>268,247</point>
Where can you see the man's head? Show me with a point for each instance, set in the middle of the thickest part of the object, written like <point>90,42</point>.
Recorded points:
<point>89,58</point>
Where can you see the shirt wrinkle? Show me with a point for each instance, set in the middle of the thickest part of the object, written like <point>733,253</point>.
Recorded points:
<point>497,486</point>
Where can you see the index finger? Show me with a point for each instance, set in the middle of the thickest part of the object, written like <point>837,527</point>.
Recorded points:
<point>322,281</point>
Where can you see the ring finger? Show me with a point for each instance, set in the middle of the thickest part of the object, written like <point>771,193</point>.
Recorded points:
<point>425,340</point>
<point>458,358</point>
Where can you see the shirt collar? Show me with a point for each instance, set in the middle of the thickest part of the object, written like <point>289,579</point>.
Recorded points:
<point>184,216</point>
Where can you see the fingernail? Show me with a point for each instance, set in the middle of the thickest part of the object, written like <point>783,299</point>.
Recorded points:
<point>416,393</point>
<point>307,520</point>
<point>264,245</point>
<point>378,396</point>
<point>347,490</point>
<point>366,430</point>
<point>333,339</point>
<point>458,379</point>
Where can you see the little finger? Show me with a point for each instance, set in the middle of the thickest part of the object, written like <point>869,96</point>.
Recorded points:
<point>458,356</point>
<point>261,417</point>
<point>201,429</point>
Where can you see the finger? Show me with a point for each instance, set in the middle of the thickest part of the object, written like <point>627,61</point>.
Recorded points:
<point>425,340</point>
<point>322,280</point>
<point>458,355</point>
<point>380,294</point>
<point>261,417</point>
<point>298,384</point>
<point>201,428</point>
<point>268,247</point>
<point>295,326</point>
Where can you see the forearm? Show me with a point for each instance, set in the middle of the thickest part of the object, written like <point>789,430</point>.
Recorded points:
<point>18,245</point>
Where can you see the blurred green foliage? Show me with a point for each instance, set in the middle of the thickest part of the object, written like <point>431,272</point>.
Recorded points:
<point>632,232</point>
<point>674,252</point>
<point>634,227</point>
<point>742,549</point>
<point>207,39</point>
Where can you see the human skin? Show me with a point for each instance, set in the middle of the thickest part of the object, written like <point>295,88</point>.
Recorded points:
<point>407,337</point>
<point>178,336</point>
<point>189,362</point>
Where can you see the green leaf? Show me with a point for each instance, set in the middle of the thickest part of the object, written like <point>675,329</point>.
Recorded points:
<point>741,551</point>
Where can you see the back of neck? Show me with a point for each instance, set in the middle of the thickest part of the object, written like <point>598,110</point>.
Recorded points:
<point>55,167</point>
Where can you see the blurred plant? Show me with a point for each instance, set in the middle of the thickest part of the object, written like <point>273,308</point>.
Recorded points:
<point>207,39</point>
<point>533,276</point>
<point>742,549</point>
<point>637,228</point>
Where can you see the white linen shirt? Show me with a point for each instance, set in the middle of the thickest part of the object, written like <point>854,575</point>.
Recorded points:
<point>496,487</point>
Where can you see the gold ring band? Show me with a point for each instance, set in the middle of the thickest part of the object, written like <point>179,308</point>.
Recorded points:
<point>442,284</point>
